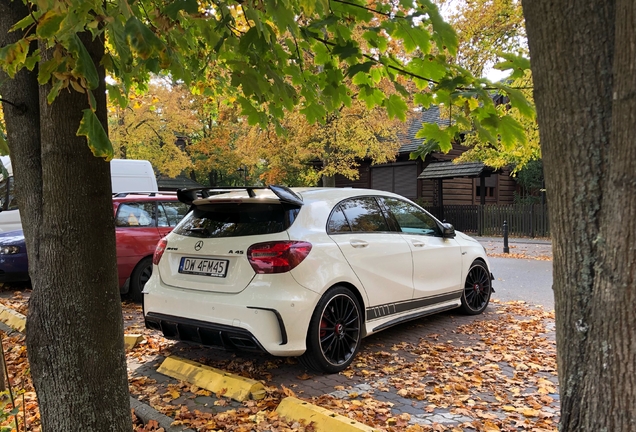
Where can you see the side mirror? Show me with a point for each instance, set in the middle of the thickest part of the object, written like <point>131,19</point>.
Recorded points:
<point>448,231</point>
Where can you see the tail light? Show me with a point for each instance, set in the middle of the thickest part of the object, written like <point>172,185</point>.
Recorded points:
<point>159,250</point>
<point>278,256</point>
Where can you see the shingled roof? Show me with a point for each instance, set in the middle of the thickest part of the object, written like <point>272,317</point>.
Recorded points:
<point>431,115</point>
<point>443,170</point>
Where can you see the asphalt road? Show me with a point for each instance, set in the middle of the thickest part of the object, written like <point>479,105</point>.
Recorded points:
<point>523,279</point>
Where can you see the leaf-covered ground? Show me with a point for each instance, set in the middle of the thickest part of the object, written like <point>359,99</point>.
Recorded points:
<point>495,372</point>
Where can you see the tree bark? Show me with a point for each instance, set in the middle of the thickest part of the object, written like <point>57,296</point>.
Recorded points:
<point>584,63</point>
<point>74,324</point>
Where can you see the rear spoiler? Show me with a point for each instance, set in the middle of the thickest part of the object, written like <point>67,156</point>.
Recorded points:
<point>284,194</point>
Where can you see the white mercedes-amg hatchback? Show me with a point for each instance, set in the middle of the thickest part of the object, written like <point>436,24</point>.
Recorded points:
<point>307,271</point>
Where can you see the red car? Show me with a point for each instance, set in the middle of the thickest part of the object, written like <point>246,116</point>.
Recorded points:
<point>141,220</point>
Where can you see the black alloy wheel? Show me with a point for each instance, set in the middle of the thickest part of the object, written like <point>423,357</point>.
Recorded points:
<point>334,332</point>
<point>477,289</point>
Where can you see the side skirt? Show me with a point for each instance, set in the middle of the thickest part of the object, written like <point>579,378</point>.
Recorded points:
<point>412,317</point>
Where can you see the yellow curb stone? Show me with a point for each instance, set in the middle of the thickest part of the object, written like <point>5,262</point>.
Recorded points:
<point>131,340</point>
<point>323,419</point>
<point>215,380</point>
<point>13,319</point>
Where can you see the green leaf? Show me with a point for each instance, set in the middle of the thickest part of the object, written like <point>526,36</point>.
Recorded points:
<point>173,9</point>
<point>314,113</point>
<point>425,99</point>
<point>281,14</point>
<point>518,64</point>
<point>375,39</point>
<point>55,90</point>
<point>424,149</point>
<point>360,67</point>
<point>413,37</point>
<point>429,67</point>
<point>511,132</point>
<point>84,66</point>
<point>371,96</point>
<point>432,132</point>
<point>98,141</point>
<point>443,33</point>
<point>520,102</point>
<point>322,55</point>
<point>49,25</point>
<point>116,96</point>
<point>141,39</point>
<point>349,49</point>
<point>27,21</point>
<point>253,115</point>
<point>13,56</point>
<point>396,107</point>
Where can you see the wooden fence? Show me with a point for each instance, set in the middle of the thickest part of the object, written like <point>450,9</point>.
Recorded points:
<point>523,220</point>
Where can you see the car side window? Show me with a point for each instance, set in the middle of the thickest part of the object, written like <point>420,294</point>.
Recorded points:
<point>170,213</point>
<point>364,215</point>
<point>140,214</point>
<point>338,223</point>
<point>410,218</point>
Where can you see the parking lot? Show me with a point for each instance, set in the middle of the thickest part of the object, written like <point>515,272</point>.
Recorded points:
<point>495,371</point>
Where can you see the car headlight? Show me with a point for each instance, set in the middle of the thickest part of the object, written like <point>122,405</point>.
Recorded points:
<point>9,250</point>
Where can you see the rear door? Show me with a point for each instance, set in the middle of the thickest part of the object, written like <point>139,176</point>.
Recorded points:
<point>380,257</point>
<point>207,250</point>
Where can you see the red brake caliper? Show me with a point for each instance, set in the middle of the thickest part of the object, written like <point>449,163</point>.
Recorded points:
<point>323,326</point>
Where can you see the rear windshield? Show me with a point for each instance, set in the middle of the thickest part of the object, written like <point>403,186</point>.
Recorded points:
<point>237,220</point>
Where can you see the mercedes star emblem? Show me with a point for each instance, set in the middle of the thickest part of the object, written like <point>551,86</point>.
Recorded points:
<point>198,245</point>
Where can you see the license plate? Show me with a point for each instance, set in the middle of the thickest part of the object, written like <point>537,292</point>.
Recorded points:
<point>203,266</point>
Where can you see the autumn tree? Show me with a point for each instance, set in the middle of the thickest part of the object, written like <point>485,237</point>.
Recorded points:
<point>306,154</point>
<point>215,155</point>
<point>149,125</point>
<point>54,60</point>
<point>584,64</point>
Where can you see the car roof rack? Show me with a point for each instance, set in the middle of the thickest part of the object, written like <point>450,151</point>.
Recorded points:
<point>149,193</point>
<point>284,194</point>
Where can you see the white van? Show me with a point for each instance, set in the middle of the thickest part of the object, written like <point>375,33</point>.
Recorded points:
<point>126,175</point>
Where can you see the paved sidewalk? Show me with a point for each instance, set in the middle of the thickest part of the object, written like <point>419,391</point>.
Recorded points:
<point>519,247</point>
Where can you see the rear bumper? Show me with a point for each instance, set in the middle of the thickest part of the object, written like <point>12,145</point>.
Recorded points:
<point>204,333</point>
<point>271,314</point>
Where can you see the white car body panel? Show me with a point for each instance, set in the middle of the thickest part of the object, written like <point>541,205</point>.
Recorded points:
<point>437,265</point>
<point>382,262</point>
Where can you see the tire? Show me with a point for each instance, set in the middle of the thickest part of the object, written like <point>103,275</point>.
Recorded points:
<point>139,277</point>
<point>477,289</point>
<point>335,332</point>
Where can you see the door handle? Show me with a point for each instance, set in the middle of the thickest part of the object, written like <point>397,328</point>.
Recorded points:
<point>417,243</point>
<point>358,243</point>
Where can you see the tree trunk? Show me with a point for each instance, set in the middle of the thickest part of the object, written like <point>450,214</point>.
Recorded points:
<point>328,181</point>
<point>584,63</point>
<point>74,324</point>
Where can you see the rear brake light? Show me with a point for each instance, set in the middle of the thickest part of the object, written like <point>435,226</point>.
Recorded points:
<point>278,256</point>
<point>159,250</point>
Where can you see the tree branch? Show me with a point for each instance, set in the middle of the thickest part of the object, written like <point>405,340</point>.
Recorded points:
<point>21,107</point>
